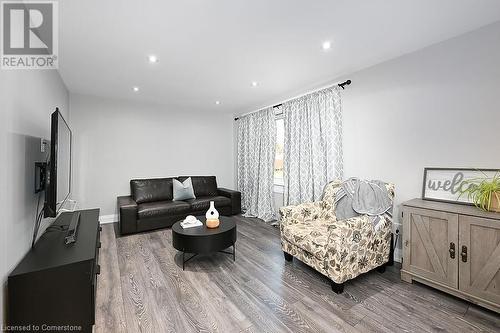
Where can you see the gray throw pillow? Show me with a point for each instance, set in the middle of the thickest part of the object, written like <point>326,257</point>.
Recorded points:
<point>184,190</point>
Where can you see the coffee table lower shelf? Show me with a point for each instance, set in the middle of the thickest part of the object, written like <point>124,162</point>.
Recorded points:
<point>184,261</point>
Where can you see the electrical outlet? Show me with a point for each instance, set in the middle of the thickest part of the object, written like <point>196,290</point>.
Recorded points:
<point>43,145</point>
<point>71,204</point>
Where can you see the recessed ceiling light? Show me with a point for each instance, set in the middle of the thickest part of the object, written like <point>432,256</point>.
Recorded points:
<point>135,89</point>
<point>153,59</point>
<point>254,83</point>
<point>326,45</point>
<point>217,102</point>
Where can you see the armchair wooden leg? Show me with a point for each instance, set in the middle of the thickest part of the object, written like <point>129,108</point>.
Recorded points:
<point>337,288</point>
<point>288,256</point>
<point>381,269</point>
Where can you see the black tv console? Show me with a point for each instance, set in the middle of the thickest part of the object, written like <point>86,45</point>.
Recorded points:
<point>53,288</point>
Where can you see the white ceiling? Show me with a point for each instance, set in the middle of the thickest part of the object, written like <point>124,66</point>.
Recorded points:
<point>212,50</point>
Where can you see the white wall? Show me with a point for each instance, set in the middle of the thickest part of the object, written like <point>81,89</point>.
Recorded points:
<point>27,98</point>
<point>116,141</point>
<point>438,107</point>
<point>435,107</point>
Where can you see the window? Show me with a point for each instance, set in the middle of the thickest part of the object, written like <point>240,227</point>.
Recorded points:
<point>280,145</point>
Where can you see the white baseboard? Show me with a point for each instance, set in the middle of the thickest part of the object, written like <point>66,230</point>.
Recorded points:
<point>105,219</point>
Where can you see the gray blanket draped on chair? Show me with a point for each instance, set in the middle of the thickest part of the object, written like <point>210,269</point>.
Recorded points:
<point>359,197</point>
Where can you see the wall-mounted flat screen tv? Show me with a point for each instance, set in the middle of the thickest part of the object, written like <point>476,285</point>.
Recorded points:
<point>58,187</point>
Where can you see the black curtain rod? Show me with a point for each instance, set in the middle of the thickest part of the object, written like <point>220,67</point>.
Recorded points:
<point>341,85</point>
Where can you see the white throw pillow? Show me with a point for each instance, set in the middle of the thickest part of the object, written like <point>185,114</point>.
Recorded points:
<point>184,190</point>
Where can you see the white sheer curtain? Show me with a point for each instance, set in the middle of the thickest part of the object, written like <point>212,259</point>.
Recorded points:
<point>313,144</point>
<point>256,152</point>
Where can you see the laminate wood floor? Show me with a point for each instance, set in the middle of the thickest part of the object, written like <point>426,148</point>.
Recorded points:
<point>142,288</point>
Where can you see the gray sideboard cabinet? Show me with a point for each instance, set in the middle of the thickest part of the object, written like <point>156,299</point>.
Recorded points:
<point>453,248</point>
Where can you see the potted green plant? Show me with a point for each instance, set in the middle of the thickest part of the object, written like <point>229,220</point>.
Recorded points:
<point>483,192</point>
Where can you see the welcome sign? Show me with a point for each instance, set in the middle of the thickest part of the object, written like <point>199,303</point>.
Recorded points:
<point>446,184</point>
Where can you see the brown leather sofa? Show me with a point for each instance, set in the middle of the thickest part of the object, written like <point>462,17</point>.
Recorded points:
<point>150,204</point>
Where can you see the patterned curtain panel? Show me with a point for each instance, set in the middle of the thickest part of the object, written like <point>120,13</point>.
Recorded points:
<point>256,150</point>
<point>313,144</point>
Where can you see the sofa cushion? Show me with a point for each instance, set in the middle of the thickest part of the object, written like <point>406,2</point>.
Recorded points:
<point>204,186</point>
<point>161,208</point>
<point>203,203</point>
<point>311,236</point>
<point>150,190</point>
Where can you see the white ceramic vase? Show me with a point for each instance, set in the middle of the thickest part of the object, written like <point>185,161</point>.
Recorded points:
<point>212,213</point>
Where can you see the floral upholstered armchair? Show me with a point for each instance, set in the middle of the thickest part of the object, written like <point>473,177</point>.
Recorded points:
<point>340,250</point>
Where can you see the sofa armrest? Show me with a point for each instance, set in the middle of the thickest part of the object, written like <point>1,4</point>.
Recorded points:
<point>304,212</point>
<point>127,218</point>
<point>235,197</point>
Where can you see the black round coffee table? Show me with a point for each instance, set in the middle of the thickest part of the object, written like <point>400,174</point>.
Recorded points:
<point>203,240</point>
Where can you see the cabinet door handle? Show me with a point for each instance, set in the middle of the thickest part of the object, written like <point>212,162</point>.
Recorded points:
<point>452,250</point>
<point>464,253</point>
